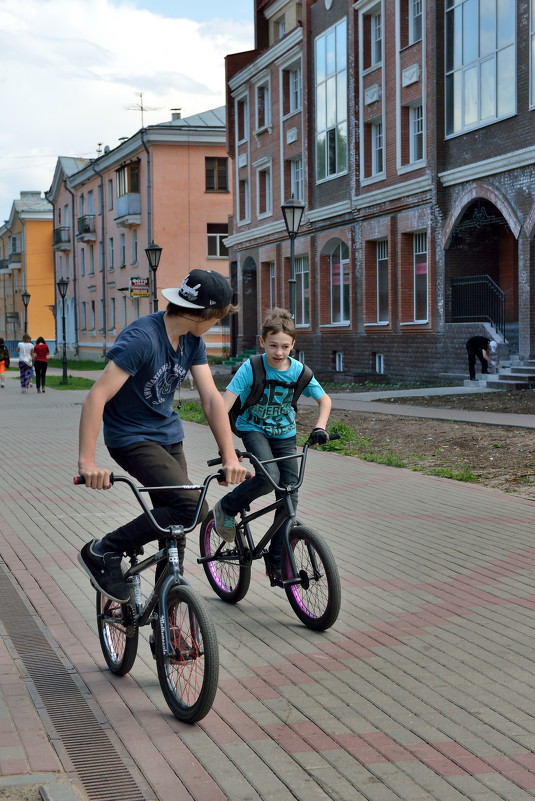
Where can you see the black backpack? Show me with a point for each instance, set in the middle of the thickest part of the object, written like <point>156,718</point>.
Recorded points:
<point>259,384</point>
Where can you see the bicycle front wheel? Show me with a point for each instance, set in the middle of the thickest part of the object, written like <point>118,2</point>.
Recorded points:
<point>188,676</point>
<point>117,633</point>
<point>227,577</point>
<point>316,599</point>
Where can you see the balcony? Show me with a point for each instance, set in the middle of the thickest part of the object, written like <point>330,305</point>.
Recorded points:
<point>128,211</point>
<point>62,239</point>
<point>15,258</point>
<point>4,264</point>
<point>86,228</point>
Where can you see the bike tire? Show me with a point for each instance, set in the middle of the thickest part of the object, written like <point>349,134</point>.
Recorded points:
<point>114,622</point>
<point>228,578</point>
<point>188,678</point>
<point>316,600</point>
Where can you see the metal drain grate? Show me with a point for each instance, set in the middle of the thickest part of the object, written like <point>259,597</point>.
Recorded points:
<point>102,772</point>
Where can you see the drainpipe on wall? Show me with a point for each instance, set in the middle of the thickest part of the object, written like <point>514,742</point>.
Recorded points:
<point>74,275</point>
<point>103,235</point>
<point>149,188</point>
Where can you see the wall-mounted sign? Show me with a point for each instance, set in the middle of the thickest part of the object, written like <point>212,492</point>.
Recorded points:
<point>139,288</point>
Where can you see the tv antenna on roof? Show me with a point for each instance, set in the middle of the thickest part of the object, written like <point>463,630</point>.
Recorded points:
<point>140,107</point>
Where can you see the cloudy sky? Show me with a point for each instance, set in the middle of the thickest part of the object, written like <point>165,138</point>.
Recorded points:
<point>73,70</point>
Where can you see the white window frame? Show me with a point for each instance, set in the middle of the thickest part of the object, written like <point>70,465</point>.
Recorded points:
<point>91,260</point>
<point>246,216</point>
<point>83,316</point>
<point>272,285</point>
<point>377,148</point>
<point>415,21</point>
<point>217,239</point>
<point>111,254</point>
<point>381,255</point>
<point>263,96</point>
<point>416,133</point>
<point>419,248</point>
<point>122,250</point>
<point>82,261</point>
<point>134,246</point>
<point>297,188</point>
<point>330,84</point>
<point>295,88</point>
<point>265,193</point>
<point>480,75</point>
<point>344,269</point>
<point>302,291</point>
<point>111,322</point>
<point>245,100</point>
<point>376,38</point>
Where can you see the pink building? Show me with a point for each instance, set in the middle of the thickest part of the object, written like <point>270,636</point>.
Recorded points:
<point>167,184</point>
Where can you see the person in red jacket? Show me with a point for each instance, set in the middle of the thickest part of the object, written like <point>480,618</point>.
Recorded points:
<point>40,356</point>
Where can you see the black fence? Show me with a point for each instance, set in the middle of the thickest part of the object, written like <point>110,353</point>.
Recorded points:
<point>478,298</point>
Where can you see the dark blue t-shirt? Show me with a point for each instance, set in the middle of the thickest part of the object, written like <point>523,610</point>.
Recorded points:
<point>142,409</point>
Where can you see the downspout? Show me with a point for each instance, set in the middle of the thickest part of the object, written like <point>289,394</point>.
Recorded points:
<point>103,235</point>
<point>150,236</point>
<point>74,275</point>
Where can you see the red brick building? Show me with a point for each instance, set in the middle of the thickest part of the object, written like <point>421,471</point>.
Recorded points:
<point>404,126</point>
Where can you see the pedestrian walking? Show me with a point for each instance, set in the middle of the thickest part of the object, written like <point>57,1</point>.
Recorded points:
<point>25,349</point>
<point>4,361</point>
<point>40,355</point>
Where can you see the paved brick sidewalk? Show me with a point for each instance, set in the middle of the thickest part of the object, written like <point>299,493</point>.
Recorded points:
<point>422,690</point>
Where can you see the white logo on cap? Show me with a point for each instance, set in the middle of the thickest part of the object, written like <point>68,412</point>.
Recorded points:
<point>189,292</point>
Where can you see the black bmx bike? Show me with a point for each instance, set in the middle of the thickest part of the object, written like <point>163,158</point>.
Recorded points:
<point>308,574</point>
<point>183,639</point>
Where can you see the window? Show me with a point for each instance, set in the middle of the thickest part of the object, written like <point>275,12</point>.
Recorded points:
<point>377,147</point>
<point>416,133</point>
<point>376,39</point>
<point>296,178</point>
<point>382,281</point>
<point>264,200</point>
<point>415,22</point>
<point>216,174</point>
<point>279,27</point>
<point>134,246</point>
<point>302,291</point>
<point>331,102</point>
<point>90,202</point>
<point>82,261</point>
<point>339,361</point>
<point>217,233</point>
<point>101,256</point>
<point>65,216</point>
<point>91,260</point>
<point>242,122</point>
<point>294,89</point>
<point>125,310</point>
<point>420,276</point>
<point>244,201</point>
<point>92,321</point>
<point>127,179</point>
<point>122,250</point>
<point>81,205</point>
<point>84,316</point>
<point>339,283</point>
<point>480,62</point>
<point>110,194</point>
<point>379,363</point>
<point>263,106</point>
<point>272,285</point>
<point>111,322</point>
<point>110,254</point>
<point>101,329</point>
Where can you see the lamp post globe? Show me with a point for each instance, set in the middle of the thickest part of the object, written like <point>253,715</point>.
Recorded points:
<point>292,212</point>
<point>154,253</point>
<point>63,285</point>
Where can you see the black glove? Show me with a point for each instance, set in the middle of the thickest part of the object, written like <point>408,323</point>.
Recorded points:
<point>318,437</point>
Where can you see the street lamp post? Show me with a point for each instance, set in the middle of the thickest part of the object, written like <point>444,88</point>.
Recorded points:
<point>292,211</point>
<point>153,255</point>
<point>25,299</point>
<point>62,286</point>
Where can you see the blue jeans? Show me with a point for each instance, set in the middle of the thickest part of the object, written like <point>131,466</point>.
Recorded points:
<point>283,473</point>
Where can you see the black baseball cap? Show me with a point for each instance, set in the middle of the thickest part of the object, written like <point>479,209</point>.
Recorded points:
<point>201,289</point>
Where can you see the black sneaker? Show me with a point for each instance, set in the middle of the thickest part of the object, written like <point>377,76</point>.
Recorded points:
<point>105,572</point>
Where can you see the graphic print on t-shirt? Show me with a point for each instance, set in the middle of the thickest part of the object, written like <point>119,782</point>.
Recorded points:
<point>164,383</point>
<point>274,412</point>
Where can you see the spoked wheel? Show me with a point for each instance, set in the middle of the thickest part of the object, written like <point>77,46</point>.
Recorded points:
<point>316,599</point>
<point>117,633</point>
<point>188,677</point>
<point>228,578</point>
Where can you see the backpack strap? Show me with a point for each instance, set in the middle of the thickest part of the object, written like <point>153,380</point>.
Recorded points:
<point>302,382</point>
<point>259,382</point>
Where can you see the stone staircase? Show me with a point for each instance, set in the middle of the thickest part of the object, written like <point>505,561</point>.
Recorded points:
<point>512,374</point>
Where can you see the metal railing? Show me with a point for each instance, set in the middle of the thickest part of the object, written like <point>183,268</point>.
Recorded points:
<point>478,298</point>
<point>62,236</point>
<point>86,224</point>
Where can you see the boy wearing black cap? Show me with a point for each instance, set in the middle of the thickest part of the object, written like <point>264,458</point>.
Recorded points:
<point>133,397</point>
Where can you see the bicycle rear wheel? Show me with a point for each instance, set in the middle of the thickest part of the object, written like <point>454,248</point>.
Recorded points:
<point>228,578</point>
<point>188,677</point>
<point>117,634</point>
<point>316,599</point>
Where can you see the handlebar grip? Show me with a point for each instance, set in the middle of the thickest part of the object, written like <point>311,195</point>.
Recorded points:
<point>212,462</point>
<point>78,480</point>
<point>221,473</point>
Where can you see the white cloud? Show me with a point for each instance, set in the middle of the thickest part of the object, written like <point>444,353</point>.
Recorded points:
<point>71,68</point>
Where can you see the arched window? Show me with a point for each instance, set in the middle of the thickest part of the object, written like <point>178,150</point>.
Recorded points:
<point>339,283</point>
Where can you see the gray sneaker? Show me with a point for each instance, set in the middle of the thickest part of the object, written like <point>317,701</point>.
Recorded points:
<point>224,523</point>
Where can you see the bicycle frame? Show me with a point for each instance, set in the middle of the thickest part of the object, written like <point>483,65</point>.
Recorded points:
<point>246,549</point>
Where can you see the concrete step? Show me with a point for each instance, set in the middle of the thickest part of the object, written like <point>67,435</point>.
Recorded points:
<point>500,382</point>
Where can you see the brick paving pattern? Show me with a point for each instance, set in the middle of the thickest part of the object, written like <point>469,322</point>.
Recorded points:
<point>422,690</point>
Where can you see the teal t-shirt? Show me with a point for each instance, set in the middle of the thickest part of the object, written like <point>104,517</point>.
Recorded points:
<point>274,414</point>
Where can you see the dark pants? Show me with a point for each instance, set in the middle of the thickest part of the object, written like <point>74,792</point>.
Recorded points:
<point>155,465</point>
<point>40,373</point>
<point>472,354</point>
<point>283,473</point>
